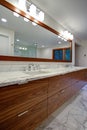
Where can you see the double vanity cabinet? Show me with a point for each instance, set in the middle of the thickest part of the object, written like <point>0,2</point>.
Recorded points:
<point>25,106</point>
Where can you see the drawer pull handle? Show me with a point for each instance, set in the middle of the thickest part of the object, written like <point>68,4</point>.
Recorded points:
<point>21,114</point>
<point>62,91</point>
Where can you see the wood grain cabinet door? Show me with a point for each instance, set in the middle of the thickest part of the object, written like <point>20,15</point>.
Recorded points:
<point>53,103</point>
<point>78,80</point>
<point>56,100</point>
<point>58,83</point>
<point>16,99</point>
<point>28,119</point>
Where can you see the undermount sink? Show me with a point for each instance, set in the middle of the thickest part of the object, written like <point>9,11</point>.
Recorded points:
<point>36,72</point>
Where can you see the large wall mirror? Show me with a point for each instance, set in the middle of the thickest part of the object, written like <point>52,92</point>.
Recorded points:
<point>21,38</point>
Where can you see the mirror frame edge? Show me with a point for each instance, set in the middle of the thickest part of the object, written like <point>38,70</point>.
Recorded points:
<point>22,13</point>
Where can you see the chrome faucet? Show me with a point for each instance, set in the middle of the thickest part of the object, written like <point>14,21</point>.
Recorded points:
<point>30,67</point>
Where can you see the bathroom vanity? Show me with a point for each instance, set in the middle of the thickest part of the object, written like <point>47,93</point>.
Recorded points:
<point>28,98</point>
<point>23,106</point>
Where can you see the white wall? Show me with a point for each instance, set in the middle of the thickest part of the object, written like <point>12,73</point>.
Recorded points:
<point>44,53</point>
<point>81,54</point>
<point>10,34</point>
<point>73,52</point>
<point>47,52</point>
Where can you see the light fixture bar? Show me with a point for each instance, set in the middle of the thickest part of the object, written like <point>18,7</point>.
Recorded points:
<point>34,11</point>
<point>65,35</point>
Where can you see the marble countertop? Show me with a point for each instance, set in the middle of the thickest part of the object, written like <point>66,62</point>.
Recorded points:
<point>21,77</point>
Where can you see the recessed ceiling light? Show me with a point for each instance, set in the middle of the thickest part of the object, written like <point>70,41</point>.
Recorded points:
<point>17,40</point>
<point>35,44</point>
<point>59,42</point>
<point>62,38</point>
<point>16,14</point>
<point>25,48</point>
<point>4,20</point>
<point>59,36</point>
<point>65,40</point>
<point>26,20</point>
<point>34,23</point>
<point>43,46</point>
<point>20,48</point>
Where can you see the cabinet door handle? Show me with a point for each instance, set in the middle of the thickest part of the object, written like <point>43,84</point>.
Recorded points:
<point>21,114</point>
<point>62,91</point>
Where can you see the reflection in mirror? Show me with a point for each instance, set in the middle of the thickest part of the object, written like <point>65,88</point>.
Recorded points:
<point>19,37</point>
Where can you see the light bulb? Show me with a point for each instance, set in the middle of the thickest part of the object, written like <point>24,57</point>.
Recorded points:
<point>33,10</point>
<point>22,4</point>
<point>41,16</point>
<point>26,20</point>
<point>4,20</point>
<point>34,23</point>
<point>16,14</point>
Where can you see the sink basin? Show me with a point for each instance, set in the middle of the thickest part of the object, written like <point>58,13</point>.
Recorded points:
<point>36,72</point>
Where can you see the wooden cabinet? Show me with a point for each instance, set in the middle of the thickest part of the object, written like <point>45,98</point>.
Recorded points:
<point>25,106</point>
<point>78,80</point>
<point>56,91</point>
<point>18,99</point>
<point>85,73</point>
<point>58,83</point>
<point>28,119</point>
<point>56,100</point>
<point>61,88</point>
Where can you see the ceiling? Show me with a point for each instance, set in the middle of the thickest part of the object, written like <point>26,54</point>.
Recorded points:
<point>27,33</point>
<point>71,14</point>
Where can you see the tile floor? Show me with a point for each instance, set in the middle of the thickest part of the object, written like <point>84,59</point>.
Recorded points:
<point>71,116</point>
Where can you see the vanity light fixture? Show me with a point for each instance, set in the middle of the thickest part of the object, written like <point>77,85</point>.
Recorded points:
<point>4,20</point>
<point>41,16</point>
<point>66,35</point>
<point>26,20</point>
<point>22,4</point>
<point>62,38</point>
<point>34,11</point>
<point>16,14</point>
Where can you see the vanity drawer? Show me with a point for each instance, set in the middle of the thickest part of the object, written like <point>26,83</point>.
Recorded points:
<point>78,76</point>
<point>55,101</point>
<point>65,94</point>
<point>77,86</point>
<point>28,119</point>
<point>58,83</point>
<point>15,99</point>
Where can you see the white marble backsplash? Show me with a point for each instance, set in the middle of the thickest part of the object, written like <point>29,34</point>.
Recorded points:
<point>6,66</point>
